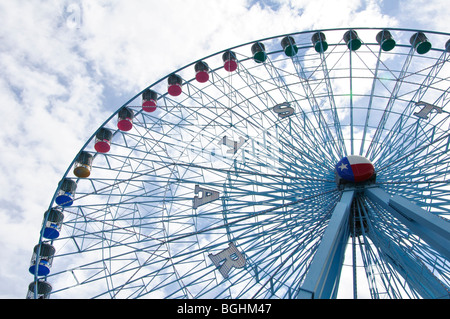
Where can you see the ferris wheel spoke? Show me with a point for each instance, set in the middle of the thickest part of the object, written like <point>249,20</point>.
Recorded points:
<point>411,136</point>
<point>303,127</point>
<point>276,234</point>
<point>397,253</point>
<point>379,64</point>
<point>131,220</point>
<point>423,152</point>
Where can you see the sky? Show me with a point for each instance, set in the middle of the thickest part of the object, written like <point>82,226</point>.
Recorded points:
<point>67,65</point>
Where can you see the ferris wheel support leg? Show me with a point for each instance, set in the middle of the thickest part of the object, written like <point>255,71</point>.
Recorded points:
<point>433,229</point>
<point>322,279</point>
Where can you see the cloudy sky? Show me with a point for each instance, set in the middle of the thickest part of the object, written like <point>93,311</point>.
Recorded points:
<point>66,65</point>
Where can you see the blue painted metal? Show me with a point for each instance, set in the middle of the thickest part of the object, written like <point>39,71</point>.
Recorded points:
<point>434,230</point>
<point>322,279</point>
<point>132,231</point>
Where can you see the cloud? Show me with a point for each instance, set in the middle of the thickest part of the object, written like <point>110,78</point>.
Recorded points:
<point>131,42</point>
<point>51,105</point>
<point>425,15</point>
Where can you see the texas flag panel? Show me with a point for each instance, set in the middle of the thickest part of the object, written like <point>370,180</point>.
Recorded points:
<point>355,168</point>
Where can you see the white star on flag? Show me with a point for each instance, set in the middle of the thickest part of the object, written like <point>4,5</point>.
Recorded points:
<point>343,166</point>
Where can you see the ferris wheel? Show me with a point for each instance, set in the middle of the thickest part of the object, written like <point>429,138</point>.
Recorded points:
<point>268,170</point>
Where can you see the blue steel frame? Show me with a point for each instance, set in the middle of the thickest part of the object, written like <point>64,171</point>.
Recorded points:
<point>242,167</point>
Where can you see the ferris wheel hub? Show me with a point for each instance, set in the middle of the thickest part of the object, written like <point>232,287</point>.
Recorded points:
<point>354,169</point>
